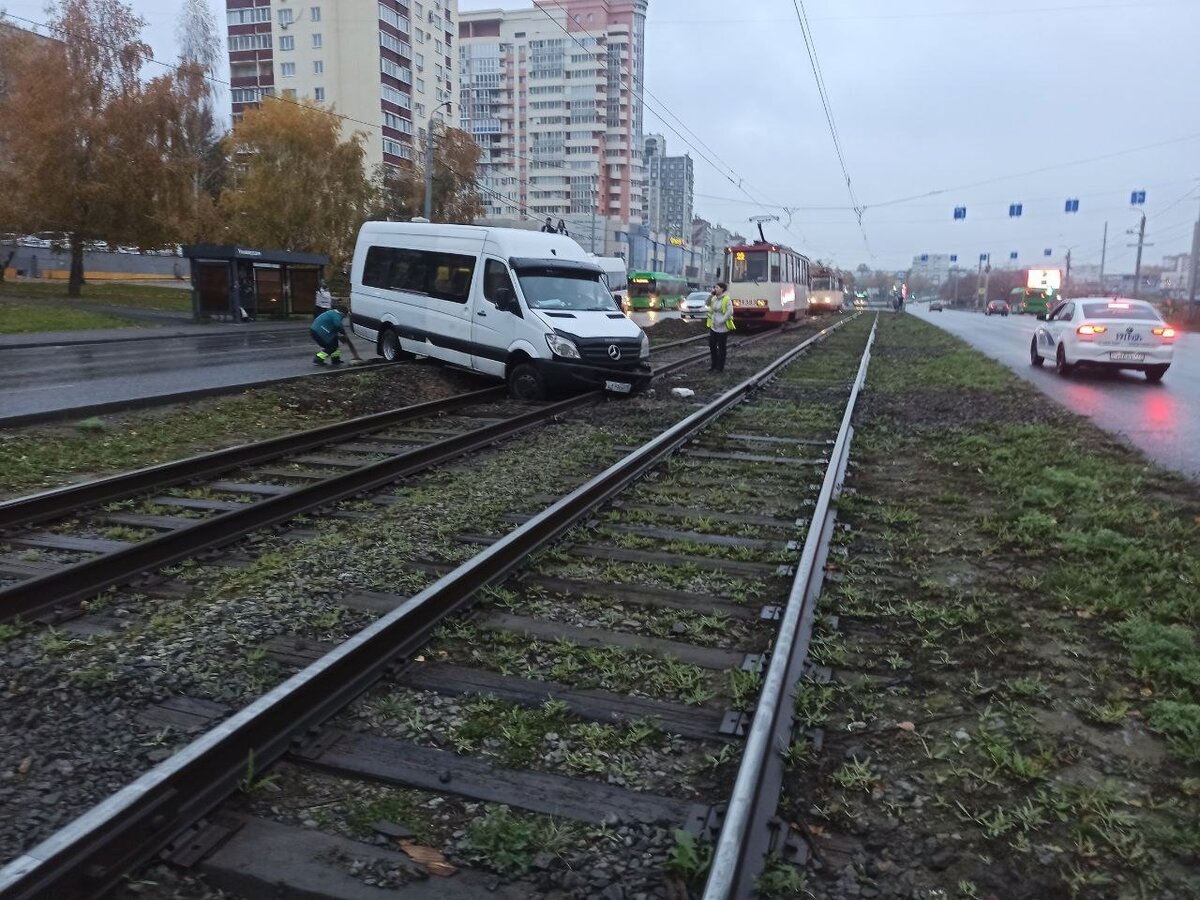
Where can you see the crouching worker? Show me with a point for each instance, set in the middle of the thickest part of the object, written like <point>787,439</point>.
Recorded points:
<point>327,329</point>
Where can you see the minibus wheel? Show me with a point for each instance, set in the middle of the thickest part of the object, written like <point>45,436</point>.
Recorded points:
<point>525,382</point>
<point>389,344</point>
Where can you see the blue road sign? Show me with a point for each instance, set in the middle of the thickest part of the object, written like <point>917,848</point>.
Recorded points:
<point>1013,255</point>
<point>1014,210</point>
<point>1072,206</point>
<point>983,257</point>
<point>953,257</point>
<point>960,212</point>
<point>1137,198</point>
<point>924,257</point>
<point>1047,252</point>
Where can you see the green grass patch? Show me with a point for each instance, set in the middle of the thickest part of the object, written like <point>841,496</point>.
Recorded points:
<point>28,318</point>
<point>129,296</point>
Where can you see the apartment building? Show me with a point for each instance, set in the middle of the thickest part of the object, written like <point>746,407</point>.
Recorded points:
<point>385,65</point>
<point>670,189</point>
<point>553,96</point>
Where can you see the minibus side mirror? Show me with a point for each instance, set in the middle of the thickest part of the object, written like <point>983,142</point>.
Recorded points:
<point>506,302</point>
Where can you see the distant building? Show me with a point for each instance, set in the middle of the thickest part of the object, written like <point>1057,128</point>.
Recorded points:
<point>933,267</point>
<point>670,188</point>
<point>710,242</point>
<point>1176,276</point>
<point>387,63</point>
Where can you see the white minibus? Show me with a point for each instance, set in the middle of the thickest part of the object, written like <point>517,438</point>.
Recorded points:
<point>525,306</point>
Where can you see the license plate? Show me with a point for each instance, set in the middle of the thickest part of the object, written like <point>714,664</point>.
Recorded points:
<point>618,387</point>
<point>1126,357</point>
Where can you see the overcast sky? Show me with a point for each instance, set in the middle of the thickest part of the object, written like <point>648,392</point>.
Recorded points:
<point>989,102</point>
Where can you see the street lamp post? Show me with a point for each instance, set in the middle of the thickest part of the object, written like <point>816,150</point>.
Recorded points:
<point>429,160</point>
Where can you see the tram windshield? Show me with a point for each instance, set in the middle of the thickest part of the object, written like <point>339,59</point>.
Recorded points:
<point>749,265</point>
<point>824,283</point>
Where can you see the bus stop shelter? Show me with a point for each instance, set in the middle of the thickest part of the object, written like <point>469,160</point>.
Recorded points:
<point>242,284</point>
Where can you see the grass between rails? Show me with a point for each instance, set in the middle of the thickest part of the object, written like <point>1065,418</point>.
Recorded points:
<point>25,318</point>
<point>1017,712</point>
<point>128,296</point>
<point>45,456</point>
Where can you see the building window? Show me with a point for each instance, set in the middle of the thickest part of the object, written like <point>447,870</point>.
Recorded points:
<point>318,67</point>
<point>249,16</point>
<point>315,14</point>
<point>287,70</point>
<point>286,16</point>
<point>289,93</point>
<point>319,94</point>
<point>287,42</point>
<point>317,41</point>
<point>421,85</point>
<point>419,59</point>
<point>249,42</point>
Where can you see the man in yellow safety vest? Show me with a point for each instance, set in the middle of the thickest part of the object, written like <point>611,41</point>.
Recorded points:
<point>719,324</point>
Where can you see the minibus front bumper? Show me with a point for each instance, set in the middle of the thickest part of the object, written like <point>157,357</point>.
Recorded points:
<point>561,373</point>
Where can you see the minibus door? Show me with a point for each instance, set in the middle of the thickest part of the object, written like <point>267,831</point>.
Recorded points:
<point>497,318</point>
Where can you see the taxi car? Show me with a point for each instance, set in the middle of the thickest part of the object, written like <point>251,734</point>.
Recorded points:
<point>1104,332</point>
<point>996,308</point>
<point>694,305</point>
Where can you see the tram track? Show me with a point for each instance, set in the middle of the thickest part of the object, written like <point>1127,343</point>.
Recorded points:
<point>266,491</point>
<point>734,544</point>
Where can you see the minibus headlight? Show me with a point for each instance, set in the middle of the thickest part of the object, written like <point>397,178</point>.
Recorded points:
<point>645,354</point>
<point>560,346</point>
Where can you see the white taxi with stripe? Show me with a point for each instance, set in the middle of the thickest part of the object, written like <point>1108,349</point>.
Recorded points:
<point>1104,332</point>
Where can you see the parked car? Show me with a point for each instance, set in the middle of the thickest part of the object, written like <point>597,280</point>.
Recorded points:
<point>1107,333</point>
<point>936,306</point>
<point>694,305</point>
<point>996,308</point>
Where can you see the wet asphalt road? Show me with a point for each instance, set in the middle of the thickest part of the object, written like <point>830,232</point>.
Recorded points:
<point>1163,420</point>
<point>38,379</point>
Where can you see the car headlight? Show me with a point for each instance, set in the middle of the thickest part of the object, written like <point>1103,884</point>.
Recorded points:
<point>645,352</point>
<point>560,346</point>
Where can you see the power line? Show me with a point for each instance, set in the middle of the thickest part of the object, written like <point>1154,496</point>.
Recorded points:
<point>810,45</point>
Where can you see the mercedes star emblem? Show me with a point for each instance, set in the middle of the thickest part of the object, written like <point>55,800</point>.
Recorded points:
<point>614,352</point>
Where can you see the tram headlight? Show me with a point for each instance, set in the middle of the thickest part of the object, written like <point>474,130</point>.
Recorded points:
<point>760,303</point>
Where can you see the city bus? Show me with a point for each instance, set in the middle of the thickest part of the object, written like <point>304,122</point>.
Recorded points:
<point>1033,301</point>
<point>656,290</point>
<point>768,283</point>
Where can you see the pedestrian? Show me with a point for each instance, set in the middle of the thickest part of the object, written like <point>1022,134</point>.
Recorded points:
<point>324,300</point>
<point>562,227</point>
<point>326,330</point>
<point>548,227</point>
<point>719,324</point>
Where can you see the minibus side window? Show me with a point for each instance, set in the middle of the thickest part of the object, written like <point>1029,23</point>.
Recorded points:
<point>495,277</point>
<point>443,276</point>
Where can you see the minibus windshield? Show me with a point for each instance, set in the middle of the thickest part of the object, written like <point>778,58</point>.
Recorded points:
<point>579,293</point>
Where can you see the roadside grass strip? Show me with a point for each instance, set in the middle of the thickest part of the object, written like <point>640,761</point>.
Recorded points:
<point>1015,708</point>
<point>18,317</point>
<point>129,296</point>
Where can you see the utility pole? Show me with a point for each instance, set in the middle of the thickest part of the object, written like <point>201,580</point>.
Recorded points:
<point>987,280</point>
<point>978,281</point>
<point>1195,269</point>
<point>429,161</point>
<point>1067,276</point>
<point>1103,253</point>
<point>1137,266</point>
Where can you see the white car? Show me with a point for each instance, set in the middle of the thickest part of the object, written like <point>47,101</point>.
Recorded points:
<point>1104,332</point>
<point>694,305</point>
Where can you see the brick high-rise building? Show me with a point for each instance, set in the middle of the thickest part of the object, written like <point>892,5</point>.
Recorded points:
<point>385,63</point>
<point>553,96</point>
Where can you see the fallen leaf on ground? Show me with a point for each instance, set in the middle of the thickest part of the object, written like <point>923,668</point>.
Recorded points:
<point>906,726</point>
<point>23,765</point>
<point>434,862</point>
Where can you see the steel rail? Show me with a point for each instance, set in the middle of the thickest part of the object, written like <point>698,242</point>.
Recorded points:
<point>92,854</point>
<point>740,852</point>
<point>69,499</point>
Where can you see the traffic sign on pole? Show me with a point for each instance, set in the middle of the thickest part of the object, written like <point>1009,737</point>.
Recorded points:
<point>1047,252</point>
<point>983,257</point>
<point>960,212</point>
<point>1014,210</point>
<point>953,257</point>
<point>924,257</point>
<point>1072,206</point>
<point>1013,255</point>
<point>1137,198</point>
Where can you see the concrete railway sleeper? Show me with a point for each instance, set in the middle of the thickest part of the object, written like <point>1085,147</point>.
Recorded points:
<point>645,554</point>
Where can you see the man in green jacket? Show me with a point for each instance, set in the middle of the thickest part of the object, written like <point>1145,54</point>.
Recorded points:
<point>719,323</point>
<point>326,330</point>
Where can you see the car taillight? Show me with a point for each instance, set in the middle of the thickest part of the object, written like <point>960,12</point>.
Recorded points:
<point>1088,328</point>
<point>1167,332</point>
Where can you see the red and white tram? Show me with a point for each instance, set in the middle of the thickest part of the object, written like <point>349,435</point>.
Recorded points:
<point>767,282</point>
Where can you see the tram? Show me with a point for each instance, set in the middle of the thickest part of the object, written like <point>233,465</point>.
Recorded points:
<point>768,283</point>
<point>827,292</point>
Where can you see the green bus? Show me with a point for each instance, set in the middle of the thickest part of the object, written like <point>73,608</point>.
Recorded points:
<point>1033,301</point>
<point>656,290</point>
